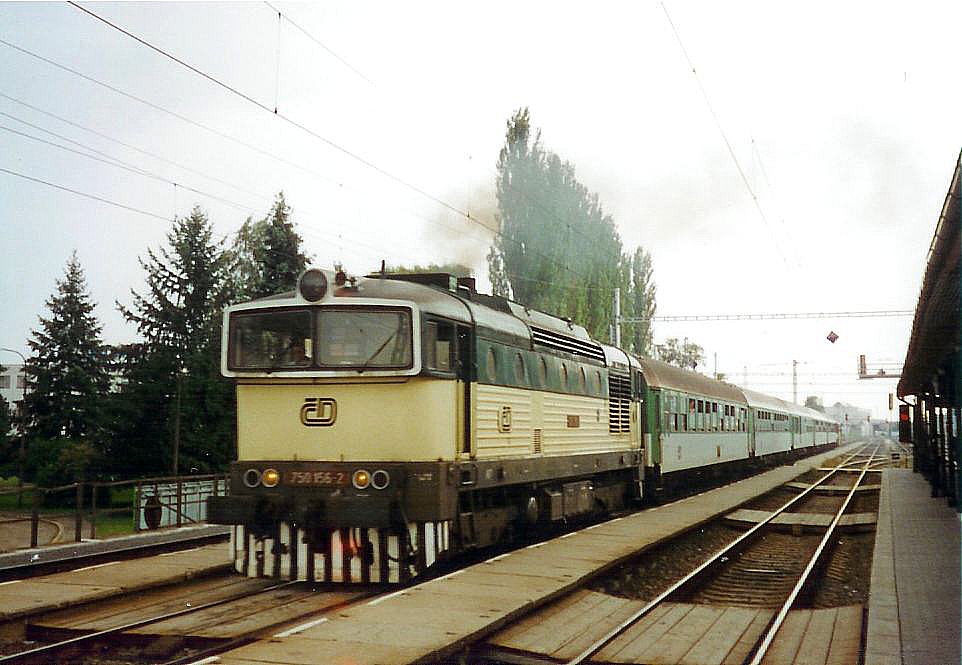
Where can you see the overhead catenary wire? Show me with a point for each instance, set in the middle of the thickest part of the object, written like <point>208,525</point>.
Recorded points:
<point>524,194</point>
<point>775,316</point>
<point>85,195</point>
<point>479,224</point>
<point>336,146</point>
<point>721,130</point>
<point>112,161</point>
<point>317,41</point>
<point>130,208</point>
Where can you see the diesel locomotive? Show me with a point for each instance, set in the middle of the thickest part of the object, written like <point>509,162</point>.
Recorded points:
<point>388,422</point>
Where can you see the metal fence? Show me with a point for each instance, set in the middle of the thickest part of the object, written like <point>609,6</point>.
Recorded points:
<point>51,515</point>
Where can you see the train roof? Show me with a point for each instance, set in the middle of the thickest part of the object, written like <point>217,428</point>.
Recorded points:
<point>660,374</point>
<point>759,400</point>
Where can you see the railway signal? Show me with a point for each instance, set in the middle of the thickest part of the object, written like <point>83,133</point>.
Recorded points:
<point>905,424</point>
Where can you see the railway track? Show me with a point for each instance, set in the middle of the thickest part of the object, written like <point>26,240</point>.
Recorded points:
<point>181,625</point>
<point>744,590</point>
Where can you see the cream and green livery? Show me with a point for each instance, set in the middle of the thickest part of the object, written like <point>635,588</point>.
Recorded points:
<point>388,422</point>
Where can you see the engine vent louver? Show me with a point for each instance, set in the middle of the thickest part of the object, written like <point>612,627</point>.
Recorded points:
<point>578,347</point>
<point>536,440</point>
<point>619,403</point>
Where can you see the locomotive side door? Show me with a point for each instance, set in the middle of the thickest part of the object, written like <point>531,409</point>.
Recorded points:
<point>466,380</point>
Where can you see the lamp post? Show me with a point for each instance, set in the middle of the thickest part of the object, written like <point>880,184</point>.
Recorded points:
<point>180,373</point>
<point>23,428</point>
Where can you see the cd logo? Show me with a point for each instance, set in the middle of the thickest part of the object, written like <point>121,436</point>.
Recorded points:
<point>318,412</point>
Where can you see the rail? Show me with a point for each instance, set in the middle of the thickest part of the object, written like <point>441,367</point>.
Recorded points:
<point>49,649</point>
<point>709,564</point>
<point>776,623</point>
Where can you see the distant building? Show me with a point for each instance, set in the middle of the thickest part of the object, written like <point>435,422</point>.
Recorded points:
<point>854,421</point>
<point>13,382</point>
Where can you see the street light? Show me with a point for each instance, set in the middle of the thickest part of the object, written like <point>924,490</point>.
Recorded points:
<point>23,428</point>
<point>181,371</point>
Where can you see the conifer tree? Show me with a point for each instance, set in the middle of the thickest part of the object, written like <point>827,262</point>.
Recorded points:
<point>283,260</point>
<point>179,317</point>
<point>67,371</point>
<point>266,255</point>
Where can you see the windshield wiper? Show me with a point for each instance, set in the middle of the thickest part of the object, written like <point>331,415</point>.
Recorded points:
<point>381,348</point>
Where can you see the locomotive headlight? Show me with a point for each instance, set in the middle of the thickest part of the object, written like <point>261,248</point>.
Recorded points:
<point>252,478</point>
<point>312,285</point>
<point>270,478</point>
<point>380,479</point>
<point>361,479</point>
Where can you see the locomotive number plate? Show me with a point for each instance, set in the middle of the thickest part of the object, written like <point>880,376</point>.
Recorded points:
<point>317,478</point>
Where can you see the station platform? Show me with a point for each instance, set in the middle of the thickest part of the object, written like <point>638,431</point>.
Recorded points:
<point>22,598</point>
<point>436,618</point>
<point>913,613</point>
<point>20,560</point>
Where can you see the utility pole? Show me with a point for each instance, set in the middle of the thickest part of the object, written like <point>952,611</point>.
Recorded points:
<point>616,338</point>
<point>716,365</point>
<point>794,382</point>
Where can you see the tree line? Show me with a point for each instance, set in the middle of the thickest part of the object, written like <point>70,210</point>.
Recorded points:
<point>116,410</point>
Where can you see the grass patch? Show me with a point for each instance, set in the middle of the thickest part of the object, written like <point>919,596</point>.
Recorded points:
<point>115,524</point>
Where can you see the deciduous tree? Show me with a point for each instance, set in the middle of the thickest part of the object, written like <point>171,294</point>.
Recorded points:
<point>558,250</point>
<point>687,355</point>
<point>640,304</point>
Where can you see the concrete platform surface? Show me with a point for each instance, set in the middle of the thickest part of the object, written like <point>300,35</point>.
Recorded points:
<point>433,619</point>
<point>23,598</point>
<point>11,561</point>
<point>913,614</point>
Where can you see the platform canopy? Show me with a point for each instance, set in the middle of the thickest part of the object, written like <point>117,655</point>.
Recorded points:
<point>934,343</point>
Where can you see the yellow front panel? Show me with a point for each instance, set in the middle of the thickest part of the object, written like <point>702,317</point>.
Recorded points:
<point>408,419</point>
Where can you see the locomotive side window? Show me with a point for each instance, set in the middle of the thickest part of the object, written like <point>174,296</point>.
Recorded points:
<point>270,340</point>
<point>439,346</point>
<point>491,367</point>
<point>364,339</point>
<point>519,369</point>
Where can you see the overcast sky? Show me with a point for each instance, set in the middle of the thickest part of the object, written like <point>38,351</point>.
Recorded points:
<point>844,119</point>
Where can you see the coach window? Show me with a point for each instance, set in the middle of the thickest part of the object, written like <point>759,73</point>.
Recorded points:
<point>542,372</point>
<point>564,376</point>
<point>582,380</point>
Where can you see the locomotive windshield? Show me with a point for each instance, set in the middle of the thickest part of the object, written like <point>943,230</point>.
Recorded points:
<point>364,339</point>
<point>327,338</point>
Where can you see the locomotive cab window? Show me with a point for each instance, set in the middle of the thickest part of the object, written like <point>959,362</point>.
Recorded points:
<point>272,340</point>
<point>355,338</point>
